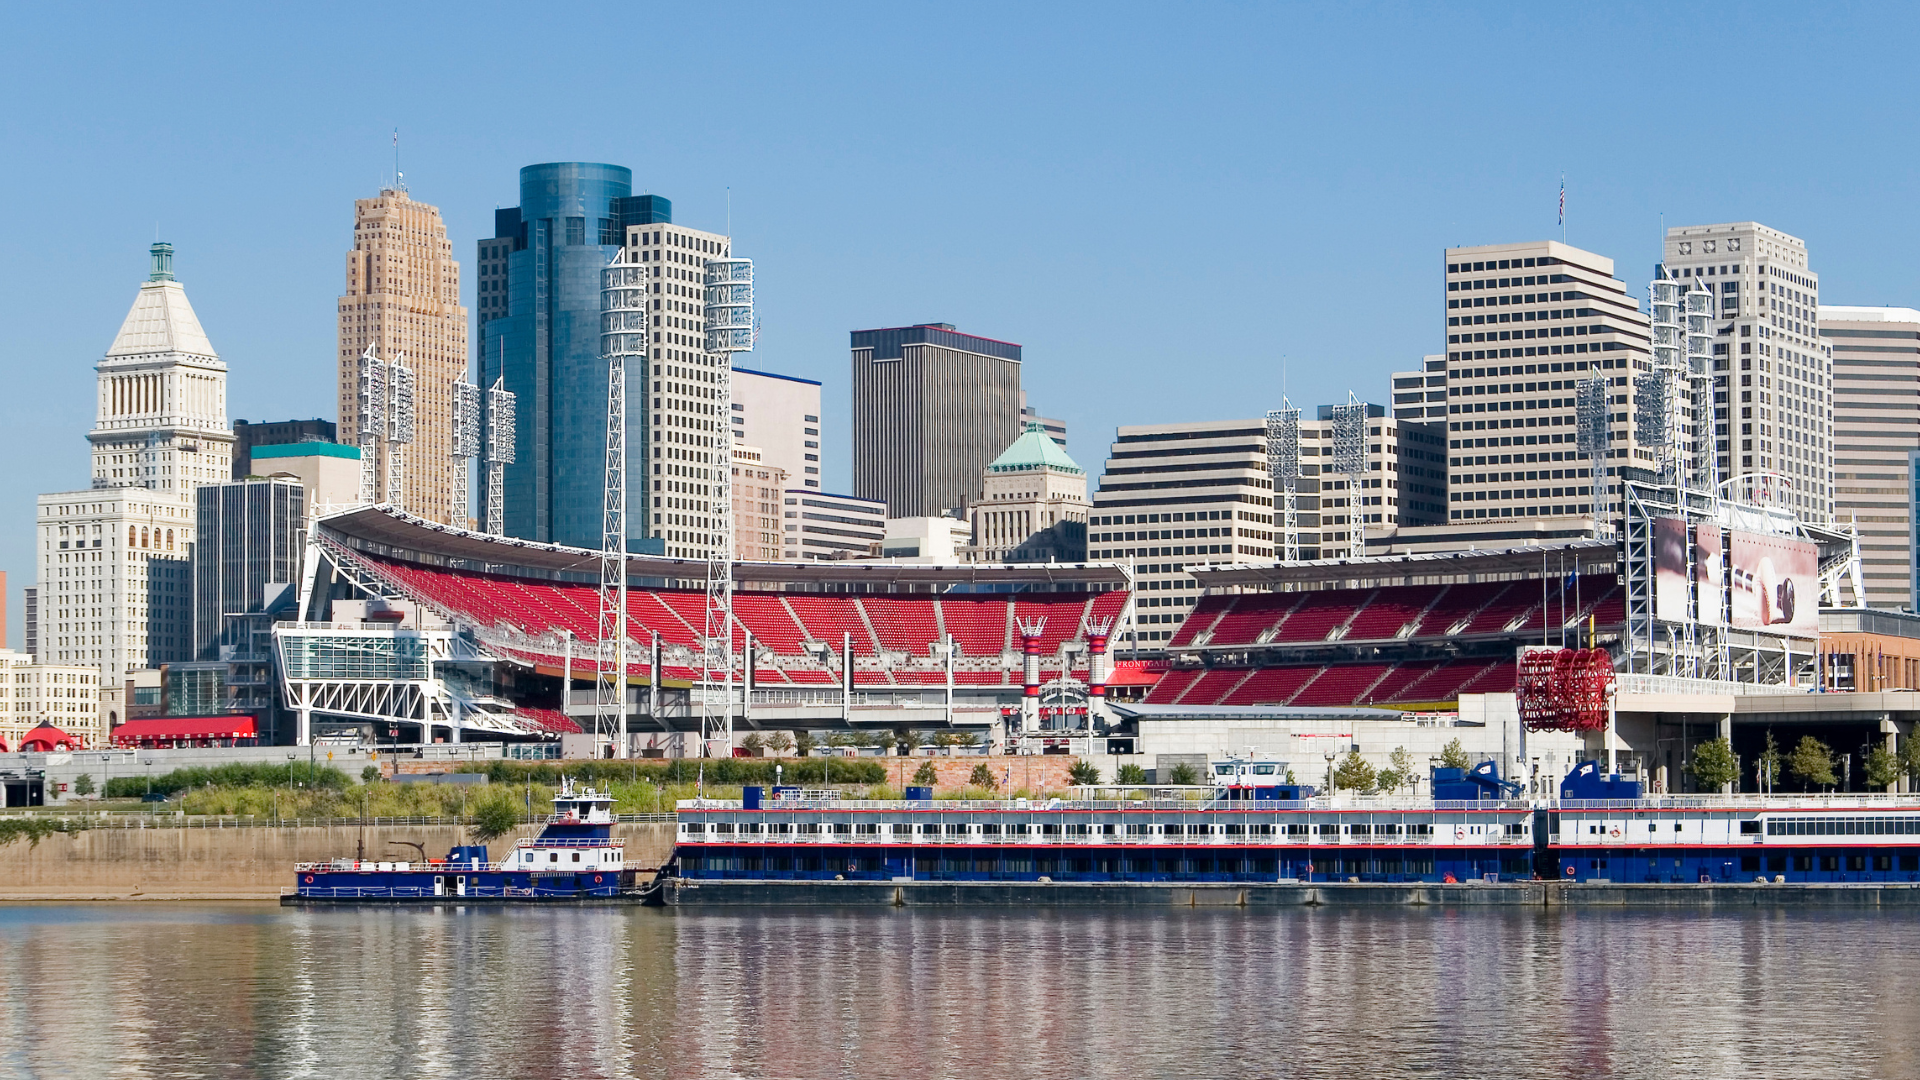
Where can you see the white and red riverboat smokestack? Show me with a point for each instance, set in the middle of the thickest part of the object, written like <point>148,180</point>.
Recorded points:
<point>1030,631</point>
<point>1099,668</point>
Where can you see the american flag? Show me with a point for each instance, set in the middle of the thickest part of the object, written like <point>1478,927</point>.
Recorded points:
<point>1563,200</point>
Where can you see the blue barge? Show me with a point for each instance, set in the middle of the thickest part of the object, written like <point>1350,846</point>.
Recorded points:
<point>575,857</point>
<point>1600,830</point>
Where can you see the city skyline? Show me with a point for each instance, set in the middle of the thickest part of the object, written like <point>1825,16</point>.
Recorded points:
<point>1320,227</point>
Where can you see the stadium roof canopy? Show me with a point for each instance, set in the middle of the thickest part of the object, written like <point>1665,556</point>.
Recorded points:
<point>1554,559</point>
<point>1143,711</point>
<point>384,530</point>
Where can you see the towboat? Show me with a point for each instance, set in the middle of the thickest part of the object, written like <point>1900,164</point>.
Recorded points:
<point>575,857</point>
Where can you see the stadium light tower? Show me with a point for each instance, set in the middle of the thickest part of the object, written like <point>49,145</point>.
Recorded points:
<point>623,343</point>
<point>1350,460</point>
<point>1592,410</point>
<point>372,395</point>
<point>729,318</point>
<point>500,437</point>
<point>466,447</point>
<point>1283,466</point>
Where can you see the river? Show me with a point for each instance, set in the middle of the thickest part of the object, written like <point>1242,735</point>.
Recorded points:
<point>244,990</point>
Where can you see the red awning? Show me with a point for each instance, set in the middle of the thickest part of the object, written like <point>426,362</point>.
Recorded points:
<point>188,727</point>
<point>1132,673</point>
<point>47,738</point>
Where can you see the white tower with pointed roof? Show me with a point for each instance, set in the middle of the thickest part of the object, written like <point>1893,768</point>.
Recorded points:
<point>115,559</point>
<point>161,420</point>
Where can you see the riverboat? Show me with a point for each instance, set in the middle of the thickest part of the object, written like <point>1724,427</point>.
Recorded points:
<point>575,857</point>
<point>1599,829</point>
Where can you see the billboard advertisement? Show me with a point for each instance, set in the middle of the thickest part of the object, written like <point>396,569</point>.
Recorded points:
<point>1709,574</point>
<point>1670,570</point>
<point>1776,583</point>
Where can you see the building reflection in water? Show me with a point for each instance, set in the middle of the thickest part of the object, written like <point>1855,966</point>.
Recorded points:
<point>168,990</point>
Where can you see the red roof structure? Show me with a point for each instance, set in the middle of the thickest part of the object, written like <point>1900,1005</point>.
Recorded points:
<point>45,739</point>
<point>166,732</point>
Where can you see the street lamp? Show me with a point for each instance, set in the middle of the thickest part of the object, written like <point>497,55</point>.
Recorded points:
<point>1330,755</point>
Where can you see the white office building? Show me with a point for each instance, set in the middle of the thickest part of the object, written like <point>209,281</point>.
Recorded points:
<point>1876,433</point>
<point>780,416</point>
<point>66,696</point>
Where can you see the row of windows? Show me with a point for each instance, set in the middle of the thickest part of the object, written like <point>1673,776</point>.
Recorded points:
<point>1542,350</point>
<point>1502,264</point>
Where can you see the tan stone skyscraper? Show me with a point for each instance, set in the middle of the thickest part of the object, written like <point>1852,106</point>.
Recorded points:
<point>403,296</point>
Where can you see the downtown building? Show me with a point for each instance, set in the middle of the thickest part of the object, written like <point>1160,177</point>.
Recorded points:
<point>1876,441</point>
<point>539,336</point>
<point>1033,506</point>
<point>402,302</point>
<point>779,415</point>
<point>1773,388</point>
<point>113,561</point>
<point>1525,324</point>
<point>932,407</point>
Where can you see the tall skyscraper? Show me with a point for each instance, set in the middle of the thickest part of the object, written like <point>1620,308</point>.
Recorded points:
<point>932,407</point>
<point>780,415</point>
<point>1876,432</point>
<point>540,333</point>
<point>403,298</point>
<point>1525,324</point>
<point>1773,390</point>
<point>113,560</point>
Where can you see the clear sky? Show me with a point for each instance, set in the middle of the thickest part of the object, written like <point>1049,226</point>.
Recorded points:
<point>1169,205</point>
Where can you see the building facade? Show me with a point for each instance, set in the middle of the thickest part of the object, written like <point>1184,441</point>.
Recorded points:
<point>1876,433</point>
<point>758,501</point>
<point>822,525</point>
<point>780,415</point>
<point>66,696</point>
<point>1033,507</point>
<point>931,408</point>
<point>1422,394</point>
<point>1525,324</point>
<point>328,473</point>
<point>247,436</point>
<point>112,561</point>
<point>31,611</point>
<point>1773,387</point>
<point>402,301</point>
<point>252,535</point>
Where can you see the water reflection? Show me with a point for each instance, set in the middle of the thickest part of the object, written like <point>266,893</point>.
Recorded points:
<point>244,990</point>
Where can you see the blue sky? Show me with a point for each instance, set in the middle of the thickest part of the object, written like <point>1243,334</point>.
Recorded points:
<point>1166,204</point>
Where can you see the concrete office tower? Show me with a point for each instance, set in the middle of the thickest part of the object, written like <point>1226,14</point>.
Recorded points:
<point>31,613</point>
<point>252,533</point>
<point>403,297</point>
<point>931,408</point>
<point>1034,506</point>
<point>1422,394</point>
<point>112,560</point>
<point>328,473</point>
<point>780,414</point>
<point>1525,324</point>
<point>822,525</point>
<point>757,494</point>
<point>1773,387</point>
<point>539,318</point>
<point>1876,432</point>
<point>248,435</point>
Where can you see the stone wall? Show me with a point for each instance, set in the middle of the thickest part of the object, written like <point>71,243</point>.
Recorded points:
<point>234,864</point>
<point>1037,774</point>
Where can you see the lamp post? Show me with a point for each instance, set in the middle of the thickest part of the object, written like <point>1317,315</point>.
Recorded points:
<point>1330,755</point>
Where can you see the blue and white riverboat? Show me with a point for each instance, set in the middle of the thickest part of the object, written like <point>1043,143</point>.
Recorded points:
<point>575,857</point>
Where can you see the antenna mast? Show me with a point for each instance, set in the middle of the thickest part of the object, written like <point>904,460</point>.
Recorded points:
<point>729,319</point>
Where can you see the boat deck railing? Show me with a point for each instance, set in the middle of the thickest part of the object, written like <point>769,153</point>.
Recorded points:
<point>1103,840</point>
<point>569,842</point>
<point>1022,806</point>
<point>173,819</point>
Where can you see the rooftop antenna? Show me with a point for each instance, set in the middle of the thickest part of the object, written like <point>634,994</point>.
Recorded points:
<point>399,178</point>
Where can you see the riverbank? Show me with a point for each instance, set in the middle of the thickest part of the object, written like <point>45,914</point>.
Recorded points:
<point>254,863</point>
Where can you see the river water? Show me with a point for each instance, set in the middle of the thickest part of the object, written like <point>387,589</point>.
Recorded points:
<point>242,990</point>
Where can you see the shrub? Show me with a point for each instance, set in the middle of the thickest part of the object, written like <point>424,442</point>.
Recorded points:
<point>370,774</point>
<point>1083,772</point>
<point>1454,756</point>
<point>1130,774</point>
<point>925,775</point>
<point>1182,773</point>
<point>605,772</point>
<point>982,777</point>
<point>1354,774</point>
<point>1882,767</point>
<point>83,784</point>
<point>493,819</point>
<point>236,775</point>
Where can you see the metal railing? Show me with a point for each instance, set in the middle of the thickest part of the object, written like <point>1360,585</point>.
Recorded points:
<point>134,819</point>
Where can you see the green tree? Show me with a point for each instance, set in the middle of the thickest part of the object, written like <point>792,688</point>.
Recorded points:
<point>844,738</point>
<point>1882,767</point>
<point>1909,757</point>
<point>947,740</point>
<point>1130,774</point>
<point>1398,773</point>
<point>494,818</point>
<point>1083,773</point>
<point>1811,763</point>
<point>925,775</point>
<point>1183,774</point>
<point>803,743</point>
<point>1454,756</point>
<point>1767,771</point>
<point>370,774</point>
<point>83,785</point>
<point>982,777</point>
<point>1354,774</point>
<point>1714,766</point>
<point>780,742</point>
<point>754,744</point>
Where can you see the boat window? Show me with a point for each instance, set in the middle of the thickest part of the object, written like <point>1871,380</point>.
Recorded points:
<point>1264,770</point>
<point>1749,828</point>
<point>990,830</point>
<point>955,828</point>
<point>576,856</point>
<point>553,856</point>
<point>1223,770</point>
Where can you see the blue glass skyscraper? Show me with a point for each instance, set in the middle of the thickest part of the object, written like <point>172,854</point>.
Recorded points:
<point>539,313</point>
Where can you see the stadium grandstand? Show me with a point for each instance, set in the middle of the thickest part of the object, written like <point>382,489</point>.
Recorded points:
<point>825,643</point>
<point>1411,632</point>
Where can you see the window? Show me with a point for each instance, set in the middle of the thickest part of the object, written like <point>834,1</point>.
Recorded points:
<point>576,231</point>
